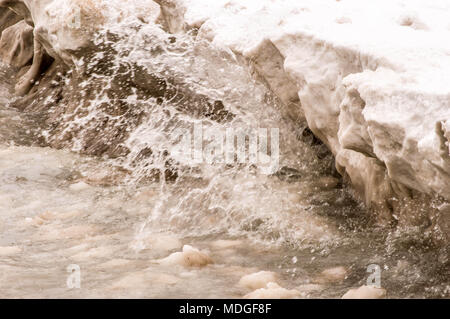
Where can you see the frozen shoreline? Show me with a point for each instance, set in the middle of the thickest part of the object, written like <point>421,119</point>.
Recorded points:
<point>371,80</point>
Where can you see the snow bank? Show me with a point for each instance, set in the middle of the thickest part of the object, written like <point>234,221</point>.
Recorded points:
<point>371,78</point>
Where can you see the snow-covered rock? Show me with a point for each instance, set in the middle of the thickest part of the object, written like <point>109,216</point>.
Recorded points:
<point>63,29</point>
<point>371,78</point>
<point>92,54</point>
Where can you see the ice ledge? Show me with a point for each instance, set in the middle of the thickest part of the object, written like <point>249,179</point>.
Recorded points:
<point>370,78</point>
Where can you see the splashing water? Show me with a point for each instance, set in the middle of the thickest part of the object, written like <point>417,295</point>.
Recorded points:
<point>115,218</point>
